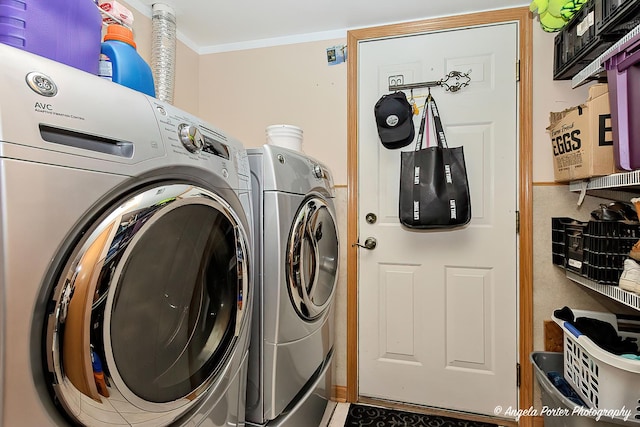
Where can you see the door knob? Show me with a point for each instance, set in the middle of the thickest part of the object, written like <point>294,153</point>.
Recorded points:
<point>370,243</point>
<point>371,218</point>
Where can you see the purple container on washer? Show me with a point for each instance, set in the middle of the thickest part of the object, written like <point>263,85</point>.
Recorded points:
<point>67,31</point>
<point>623,77</point>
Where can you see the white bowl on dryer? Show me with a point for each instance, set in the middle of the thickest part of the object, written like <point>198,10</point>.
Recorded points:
<point>286,136</point>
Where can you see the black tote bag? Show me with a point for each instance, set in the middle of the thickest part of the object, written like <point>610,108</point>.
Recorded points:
<point>434,191</point>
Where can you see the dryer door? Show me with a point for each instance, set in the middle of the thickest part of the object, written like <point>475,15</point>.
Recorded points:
<point>148,309</point>
<point>312,258</point>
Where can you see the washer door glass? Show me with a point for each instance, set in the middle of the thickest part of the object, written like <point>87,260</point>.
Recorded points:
<point>172,315</point>
<point>150,305</point>
<point>312,258</point>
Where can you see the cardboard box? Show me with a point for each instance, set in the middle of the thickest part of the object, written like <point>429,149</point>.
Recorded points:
<point>582,138</point>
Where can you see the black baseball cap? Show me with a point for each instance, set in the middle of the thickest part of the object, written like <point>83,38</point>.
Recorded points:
<point>394,118</point>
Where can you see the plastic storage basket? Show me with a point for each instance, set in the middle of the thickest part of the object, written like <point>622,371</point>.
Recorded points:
<point>606,246</point>
<point>578,43</point>
<point>566,242</point>
<point>559,411</point>
<point>613,17</point>
<point>594,249</point>
<point>558,251</point>
<point>602,379</point>
<point>623,77</point>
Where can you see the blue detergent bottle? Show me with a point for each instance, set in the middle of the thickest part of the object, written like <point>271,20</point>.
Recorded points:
<point>127,66</point>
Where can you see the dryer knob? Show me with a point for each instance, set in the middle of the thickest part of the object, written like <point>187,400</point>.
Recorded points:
<point>191,137</point>
<point>318,172</point>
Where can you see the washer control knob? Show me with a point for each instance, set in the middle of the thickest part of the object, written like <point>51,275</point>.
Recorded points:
<point>191,137</point>
<point>318,172</point>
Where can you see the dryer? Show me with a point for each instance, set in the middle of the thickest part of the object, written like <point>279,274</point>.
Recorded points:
<point>125,260</point>
<point>296,269</point>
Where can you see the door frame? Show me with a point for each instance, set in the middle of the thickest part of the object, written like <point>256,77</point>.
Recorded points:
<point>522,16</point>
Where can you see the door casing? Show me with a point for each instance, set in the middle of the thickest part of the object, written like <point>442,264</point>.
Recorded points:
<point>525,186</point>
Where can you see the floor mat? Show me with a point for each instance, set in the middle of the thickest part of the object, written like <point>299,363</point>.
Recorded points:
<point>361,415</point>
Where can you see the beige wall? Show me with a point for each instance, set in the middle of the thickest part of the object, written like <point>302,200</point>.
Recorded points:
<point>245,91</point>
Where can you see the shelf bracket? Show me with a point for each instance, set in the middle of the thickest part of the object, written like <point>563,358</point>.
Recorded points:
<point>583,193</point>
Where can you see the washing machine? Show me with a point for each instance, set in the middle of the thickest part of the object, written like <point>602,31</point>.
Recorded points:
<point>296,270</point>
<point>125,264</point>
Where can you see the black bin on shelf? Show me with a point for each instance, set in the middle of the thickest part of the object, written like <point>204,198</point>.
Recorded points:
<point>574,246</point>
<point>615,18</point>
<point>566,237</point>
<point>606,246</point>
<point>578,44</point>
<point>558,252</point>
<point>591,31</point>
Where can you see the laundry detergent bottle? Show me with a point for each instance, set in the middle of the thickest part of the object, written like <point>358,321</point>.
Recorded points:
<point>127,66</point>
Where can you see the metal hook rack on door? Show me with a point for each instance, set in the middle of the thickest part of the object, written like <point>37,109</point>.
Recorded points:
<point>456,82</point>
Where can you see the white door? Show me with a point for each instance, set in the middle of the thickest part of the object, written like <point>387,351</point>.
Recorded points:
<point>438,309</point>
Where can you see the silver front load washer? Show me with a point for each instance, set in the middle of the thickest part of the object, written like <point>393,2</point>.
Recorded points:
<point>296,269</point>
<point>126,250</point>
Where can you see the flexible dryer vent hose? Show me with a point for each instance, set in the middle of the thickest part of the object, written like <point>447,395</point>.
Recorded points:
<point>163,51</point>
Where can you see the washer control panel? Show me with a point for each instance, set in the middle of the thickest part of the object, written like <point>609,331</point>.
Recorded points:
<point>195,140</point>
<point>191,137</point>
<point>183,131</point>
